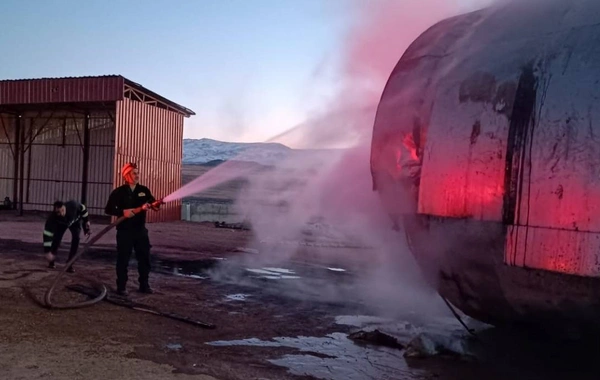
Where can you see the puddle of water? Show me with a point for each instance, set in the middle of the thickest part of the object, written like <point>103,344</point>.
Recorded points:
<point>280,270</point>
<point>427,336</point>
<point>336,357</point>
<point>266,277</point>
<point>226,270</point>
<point>359,320</point>
<point>273,273</point>
<point>333,357</point>
<point>174,346</point>
<point>237,297</point>
<point>260,271</point>
<point>247,250</point>
<point>196,276</point>
<point>190,269</point>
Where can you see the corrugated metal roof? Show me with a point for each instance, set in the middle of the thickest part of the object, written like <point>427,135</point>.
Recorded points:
<point>104,88</point>
<point>77,77</point>
<point>184,110</point>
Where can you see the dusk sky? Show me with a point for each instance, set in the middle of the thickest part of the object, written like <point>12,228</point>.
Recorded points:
<point>250,69</point>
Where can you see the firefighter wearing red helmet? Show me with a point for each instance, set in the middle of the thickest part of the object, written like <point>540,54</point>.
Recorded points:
<point>132,234</point>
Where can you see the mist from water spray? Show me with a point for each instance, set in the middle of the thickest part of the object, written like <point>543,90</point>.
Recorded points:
<point>381,33</point>
<point>327,195</point>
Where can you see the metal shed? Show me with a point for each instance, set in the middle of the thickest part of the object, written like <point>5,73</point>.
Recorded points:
<point>66,138</point>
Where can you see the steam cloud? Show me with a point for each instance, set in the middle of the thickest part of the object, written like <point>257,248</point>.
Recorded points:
<point>326,195</point>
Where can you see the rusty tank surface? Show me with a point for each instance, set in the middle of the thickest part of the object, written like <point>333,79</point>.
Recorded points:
<point>486,145</point>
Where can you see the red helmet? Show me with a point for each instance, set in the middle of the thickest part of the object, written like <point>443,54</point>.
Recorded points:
<point>127,168</point>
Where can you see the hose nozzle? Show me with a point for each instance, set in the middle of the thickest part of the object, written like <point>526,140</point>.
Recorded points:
<point>157,203</point>
<point>153,205</point>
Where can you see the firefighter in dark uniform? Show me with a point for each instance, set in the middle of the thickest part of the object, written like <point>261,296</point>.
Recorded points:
<point>131,233</point>
<point>69,215</point>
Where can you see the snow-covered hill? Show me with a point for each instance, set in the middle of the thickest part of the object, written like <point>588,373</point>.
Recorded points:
<point>206,150</point>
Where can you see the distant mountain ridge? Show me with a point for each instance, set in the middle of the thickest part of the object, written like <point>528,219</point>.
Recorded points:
<point>203,151</point>
<point>208,152</point>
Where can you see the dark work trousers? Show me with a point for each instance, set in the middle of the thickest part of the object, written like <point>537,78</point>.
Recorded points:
<point>75,237</point>
<point>128,240</point>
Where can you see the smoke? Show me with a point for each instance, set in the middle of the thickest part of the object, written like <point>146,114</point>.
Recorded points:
<point>380,33</point>
<point>324,196</point>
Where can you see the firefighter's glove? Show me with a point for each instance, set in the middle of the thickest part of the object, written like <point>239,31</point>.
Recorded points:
<point>128,213</point>
<point>86,229</point>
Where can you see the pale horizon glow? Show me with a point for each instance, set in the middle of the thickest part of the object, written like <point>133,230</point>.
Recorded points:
<point>251,70</point>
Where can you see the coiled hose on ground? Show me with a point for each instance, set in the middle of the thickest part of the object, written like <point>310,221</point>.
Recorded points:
<point>103,290</point>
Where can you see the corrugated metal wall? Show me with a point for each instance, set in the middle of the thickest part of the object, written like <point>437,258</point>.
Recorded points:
<point>102,156</point>
<point>153,138</point>
<point>7,158</point>
<point>62,90</point>
<point>53,159</point>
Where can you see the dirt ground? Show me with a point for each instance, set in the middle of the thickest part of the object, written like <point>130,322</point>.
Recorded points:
<point>113,342</point>
<point>210,275</point>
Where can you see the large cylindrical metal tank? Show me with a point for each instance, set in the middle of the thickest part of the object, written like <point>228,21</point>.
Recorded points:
<point>487,144</point>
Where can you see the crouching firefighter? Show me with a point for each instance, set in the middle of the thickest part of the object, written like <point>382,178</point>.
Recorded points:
<point>69,215</point>
<point>132,234</point>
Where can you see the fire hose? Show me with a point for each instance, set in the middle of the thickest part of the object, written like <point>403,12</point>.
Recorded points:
<point>104,291</point>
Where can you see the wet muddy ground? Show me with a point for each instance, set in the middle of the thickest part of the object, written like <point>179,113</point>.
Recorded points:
<point>305,317</point>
